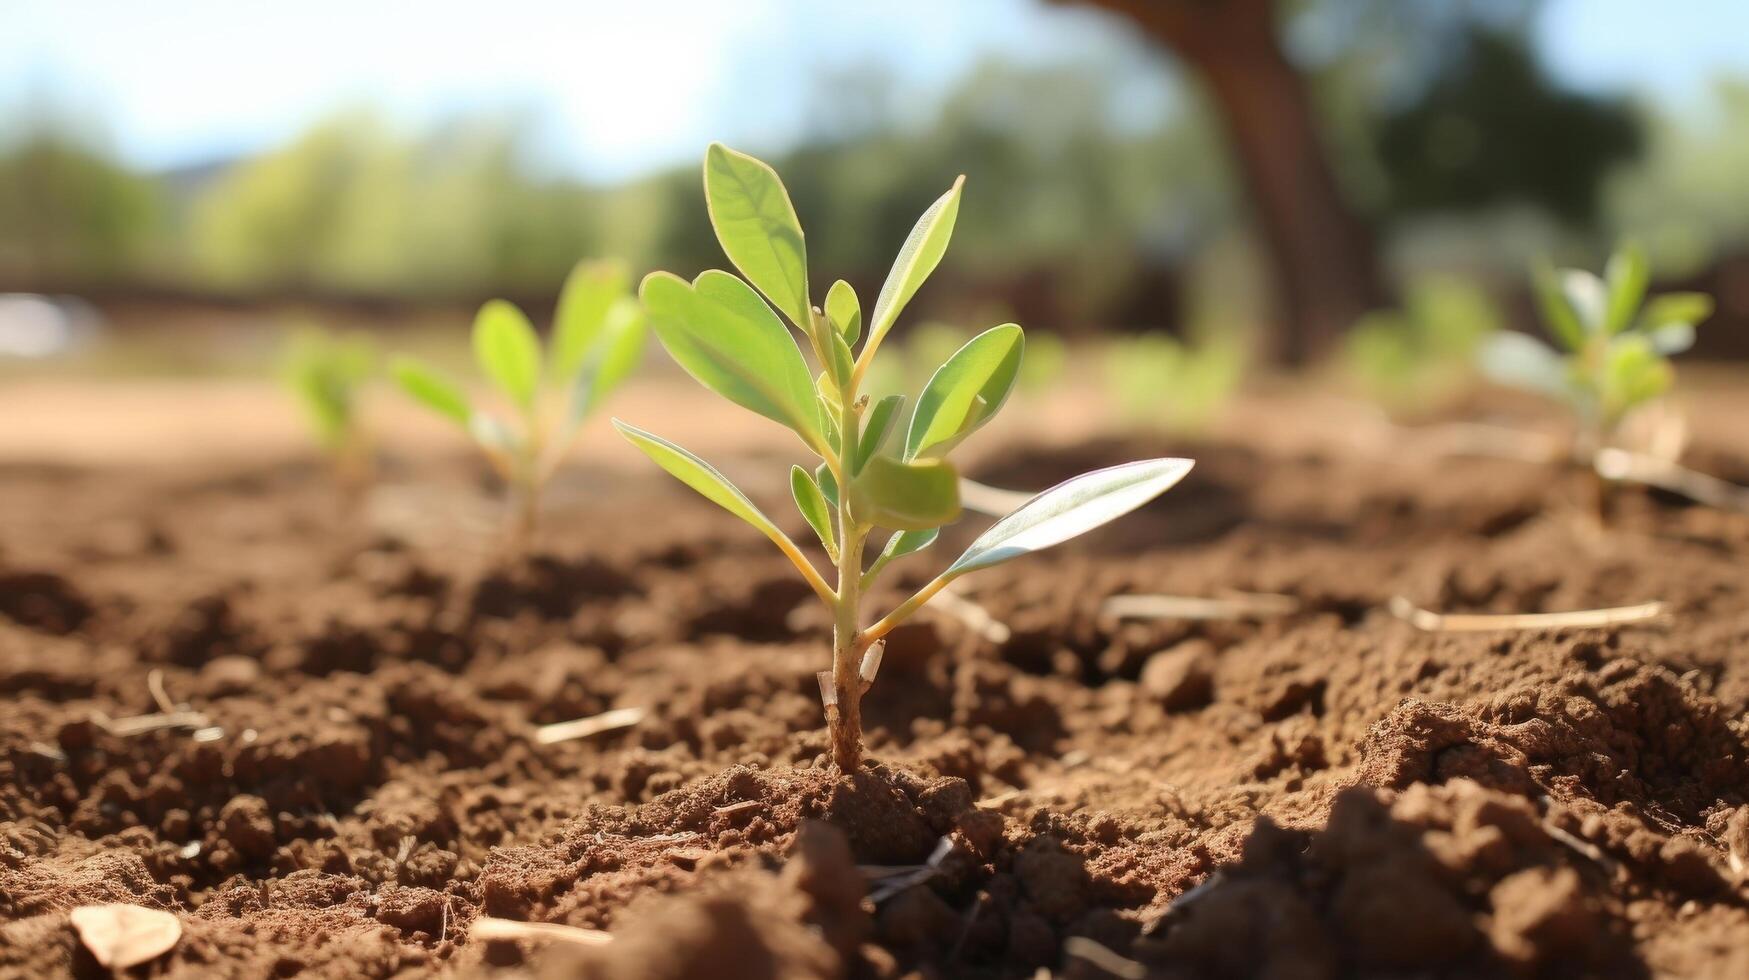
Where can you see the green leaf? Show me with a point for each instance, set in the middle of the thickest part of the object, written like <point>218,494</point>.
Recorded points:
<point>431,389</point>
<point>1672,338</point>
<point>701,476</point>
<point>812,504</point>
<point>489,431</point>
<point>1562,322</point>
<point>508,351</point>
<point>843,362</point>
<point>1689,308</point>
<point>758,228</point>
<point>1069,509</point>
<point>844,311</point>
<point>918,257</point>
<point>1521,361</point>
<point>966,391</point>
<point>610,360</point>
<point>724,335</point>
<point>1588,298</point>
<point>827,483</point>
<point>905,496</point>
<point>875,430</point>
<point>592,291</point>
<point>903,543</point>
<point>1633,373</point>
<point>1626,277</point>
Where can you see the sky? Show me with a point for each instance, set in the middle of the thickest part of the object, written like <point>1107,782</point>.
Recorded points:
<point>622,88</point>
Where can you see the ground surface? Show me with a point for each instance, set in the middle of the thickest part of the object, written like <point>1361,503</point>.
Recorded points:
<point>1353,796</point>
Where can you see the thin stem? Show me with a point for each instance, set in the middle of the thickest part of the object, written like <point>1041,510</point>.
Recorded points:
<point>844,718</point>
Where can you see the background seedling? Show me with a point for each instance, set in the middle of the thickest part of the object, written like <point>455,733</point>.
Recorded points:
<point>328,374</point>
<point>1158,381</point>
<point>876,469</point>
<point>1614,356</point>
<point>1417,359</point>
<point>597,340</point>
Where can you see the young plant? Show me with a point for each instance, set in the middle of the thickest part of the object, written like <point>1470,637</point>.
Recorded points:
<point>1614,354</point>
<point>327,373</point>
<point>597,340</point>
<point>1198,380</point>
<point>876,469</point>
<point>1419,358</point>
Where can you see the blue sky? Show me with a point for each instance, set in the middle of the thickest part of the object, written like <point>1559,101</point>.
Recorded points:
<point>624,87</point>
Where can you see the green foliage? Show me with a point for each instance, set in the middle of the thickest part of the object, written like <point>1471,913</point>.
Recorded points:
<point>721,331</point>
<point>598,337</point>
<point>1614,352</point>
<point>1180,388</point>
<point>328,373</point>
<point>1416,359</point>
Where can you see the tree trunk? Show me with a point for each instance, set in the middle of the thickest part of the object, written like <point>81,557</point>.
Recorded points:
<point>1322,256</point>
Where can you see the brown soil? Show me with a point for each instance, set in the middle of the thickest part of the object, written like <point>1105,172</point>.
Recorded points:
<point>1346,796</point>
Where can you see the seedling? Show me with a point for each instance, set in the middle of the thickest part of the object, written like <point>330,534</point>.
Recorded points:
<point>1419,358</point>
<point>1614,355</point>
<point>1197,379</point>
<point>328,373</point>
<point>875,471</point>
<point>598,338</point>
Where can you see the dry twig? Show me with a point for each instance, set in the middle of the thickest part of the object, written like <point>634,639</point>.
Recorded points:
<point>1433,622</point>
<point>607,721</point>
<point>487,927</point>
<point>1231,605</point>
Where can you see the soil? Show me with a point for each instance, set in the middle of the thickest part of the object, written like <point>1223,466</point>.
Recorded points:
<point>1321,794</point>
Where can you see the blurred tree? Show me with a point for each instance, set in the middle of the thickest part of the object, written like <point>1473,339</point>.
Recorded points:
<point>70,216</point>
<point>1490,127</point>
<point>1326,267</point>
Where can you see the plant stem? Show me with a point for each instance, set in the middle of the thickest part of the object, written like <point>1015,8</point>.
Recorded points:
<point>844,720</point>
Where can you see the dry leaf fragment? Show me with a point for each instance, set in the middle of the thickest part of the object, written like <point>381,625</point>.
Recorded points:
<point>120,936</point>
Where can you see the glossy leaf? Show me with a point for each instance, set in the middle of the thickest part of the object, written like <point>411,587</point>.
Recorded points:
<point>591,292</point>
<point>827,483</point>
<point>966,391</point>
<point>912,496</point>
<point>904,543</point>
<point>724,335</point>
<point>700,476</point>
<point>843,362</point>
<point>1521,361</point>
<point>758,228</point>
<point>1562,322</point>
<point>1069,509</point>
<point>612,358</point>
<point>875,429</point>
<point>431,389</point>
<point>812,504</point>
<point>844,311</point>
<point>1625,278</point>
<point>918,257</point>
<point>508,351</point>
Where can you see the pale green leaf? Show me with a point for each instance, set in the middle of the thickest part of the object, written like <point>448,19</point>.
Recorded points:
<point>1689,308</point>
<point>1625,278</point>
<point>700,476</point>
<point>966,391</point>
<point>842,362</point>
<point>844,311</point>
<point>758,228</point>
<point>431,389</point>
<point>1521,361</point>
<point>905,496</point>
<point>1587,297</point>
<point>876,428</point>
<point>1562,322</point>
<point>827,483</point>
<point>1069,509</point>
<point>508,351</point>
<point>591,292</point>
<point>812,504</point>
<point>903,543</point>
<point>724,335</point>
<point>1672,338</point>
<point>918,257</point>
<point>611,359</point>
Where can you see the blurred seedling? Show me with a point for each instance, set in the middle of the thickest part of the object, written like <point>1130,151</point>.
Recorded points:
<point>1613,357</point>
<point>597,340</point>
<point>328,374</point>
<point>1159,382</point>
<point>1417,359</point>
<point>879,467</point>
